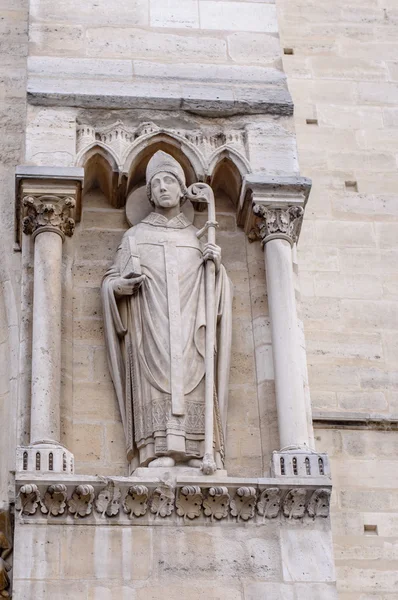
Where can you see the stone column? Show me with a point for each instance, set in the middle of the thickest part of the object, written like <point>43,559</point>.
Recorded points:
<point>48,220</point>
<point>278,230</point>
<point>48,210</point>
<point>271,209</point>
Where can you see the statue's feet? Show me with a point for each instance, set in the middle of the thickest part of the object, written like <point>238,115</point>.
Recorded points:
<point>163,461</point>
<point>196,463</point>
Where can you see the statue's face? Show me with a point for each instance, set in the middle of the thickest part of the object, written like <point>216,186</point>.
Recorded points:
<point>165,190</point>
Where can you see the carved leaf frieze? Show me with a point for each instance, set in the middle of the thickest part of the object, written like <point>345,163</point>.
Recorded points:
<point>81,503</point>
<point>294,504</point>
<point>217,502</point>
<point>136,501</point>
<point>162,503</point>
<point>189,501</point>
<point>120,137</point>
<point>244,503</point>
<point>54,501</point>
<point>28,499</point>
<point>319,503</point>
<point>108,501</point>
<point>269,503</point>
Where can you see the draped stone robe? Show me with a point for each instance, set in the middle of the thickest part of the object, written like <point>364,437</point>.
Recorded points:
<point>156,342</point>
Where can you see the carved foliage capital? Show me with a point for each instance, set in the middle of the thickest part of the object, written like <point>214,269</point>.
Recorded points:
<point>49,211</point>
<point>274,222</point>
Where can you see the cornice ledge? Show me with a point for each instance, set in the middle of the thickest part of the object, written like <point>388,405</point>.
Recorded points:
<point>355,420</point>
<point>214,99</point>
<point>263,192</point>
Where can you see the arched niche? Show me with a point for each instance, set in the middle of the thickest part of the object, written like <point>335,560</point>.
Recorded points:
<point>101,171</point>
<point>184,152</point>
<point>226,181</point>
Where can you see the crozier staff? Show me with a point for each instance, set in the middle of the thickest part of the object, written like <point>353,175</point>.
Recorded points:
<point>155,325</point>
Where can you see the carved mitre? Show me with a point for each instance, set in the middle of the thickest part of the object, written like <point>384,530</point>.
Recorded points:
<point>162,162</point>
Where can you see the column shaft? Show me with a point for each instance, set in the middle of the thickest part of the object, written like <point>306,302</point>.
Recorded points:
<point>46,345</point>
<point>292,420</point>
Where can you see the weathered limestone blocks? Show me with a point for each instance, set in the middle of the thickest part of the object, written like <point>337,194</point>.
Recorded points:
<point>142,502</point>
<point>229,37</point>
<point>220,562</point>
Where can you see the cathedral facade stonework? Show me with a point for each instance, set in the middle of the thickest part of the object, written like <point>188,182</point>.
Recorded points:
<point>198,302</point>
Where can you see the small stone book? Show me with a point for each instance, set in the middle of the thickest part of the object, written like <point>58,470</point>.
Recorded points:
<point>130,261</point>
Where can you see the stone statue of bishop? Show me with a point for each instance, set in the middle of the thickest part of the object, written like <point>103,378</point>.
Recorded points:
<point>155,322</point>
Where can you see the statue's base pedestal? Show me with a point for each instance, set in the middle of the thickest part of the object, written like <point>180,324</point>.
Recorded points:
<point>299,462</point>
<point>173,473</point>
<point>45,457</point>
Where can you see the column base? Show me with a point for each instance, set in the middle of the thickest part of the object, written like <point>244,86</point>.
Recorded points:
<point>300,463</point>
<point>44,458</point>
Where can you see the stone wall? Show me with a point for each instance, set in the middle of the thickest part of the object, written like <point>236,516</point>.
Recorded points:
<point>364,511</point>
<point>213,57</point>
<point>340,59</point>
<point>343,81</point>
<point>13,52</point>
<point>234,563</point>
<point>191,53</point>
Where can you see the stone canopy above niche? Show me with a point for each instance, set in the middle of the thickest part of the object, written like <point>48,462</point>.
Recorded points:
<point>121,152</point>
<point>115,156</point>
<point>120,138</point>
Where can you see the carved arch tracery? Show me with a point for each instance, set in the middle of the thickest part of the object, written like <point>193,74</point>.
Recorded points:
<point>101,169</point>
<point>234,156</point>
<point>119,168</point>
<point>138,155</point>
